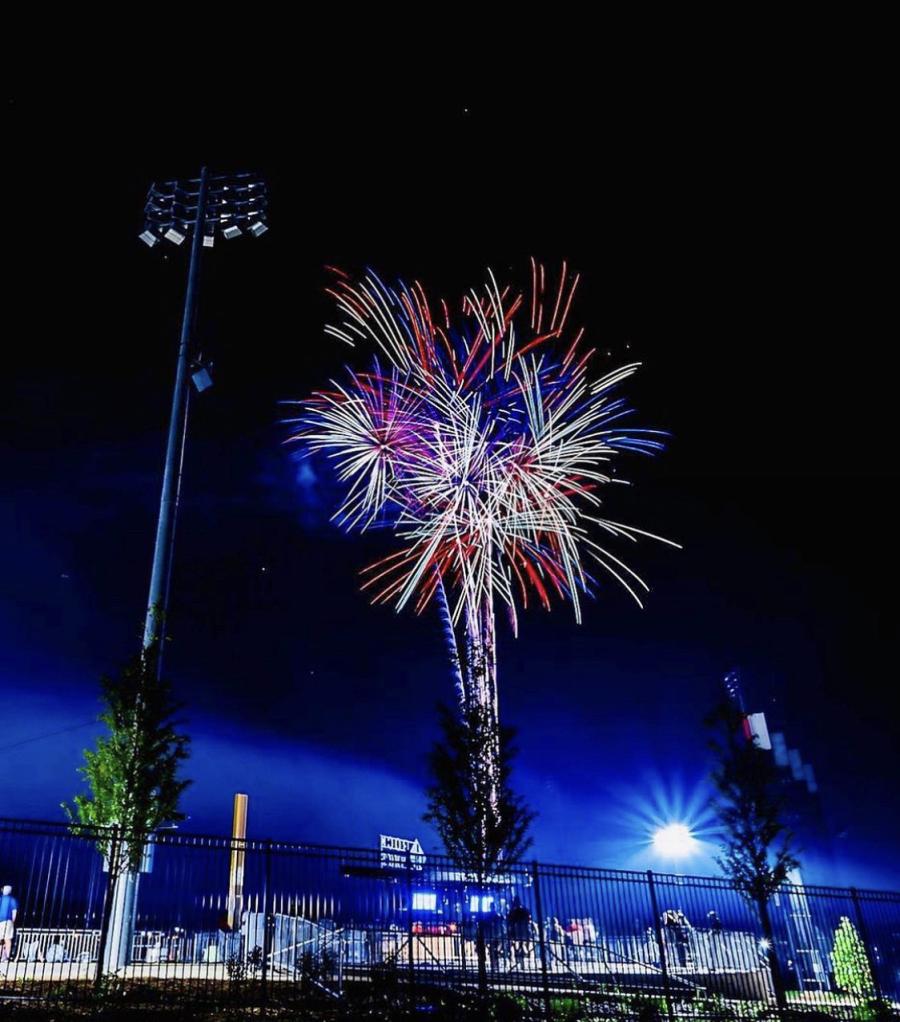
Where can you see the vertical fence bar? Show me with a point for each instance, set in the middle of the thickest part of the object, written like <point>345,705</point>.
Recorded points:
<point>657,925</point>
<point>308,907</point>
<point>867,943</point>
<point>409,926</point>
<point>765,919</point>
<point>267,924</point>
<point>539,912</point>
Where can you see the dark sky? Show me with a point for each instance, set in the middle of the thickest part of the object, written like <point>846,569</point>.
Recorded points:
<point>728,223</point>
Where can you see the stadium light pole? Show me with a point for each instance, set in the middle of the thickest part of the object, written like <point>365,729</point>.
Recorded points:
<point>200,209</point>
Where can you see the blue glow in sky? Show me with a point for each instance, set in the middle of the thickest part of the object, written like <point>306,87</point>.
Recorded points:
<point>300,692</point>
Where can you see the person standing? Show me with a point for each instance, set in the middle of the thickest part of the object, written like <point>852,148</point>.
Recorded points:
<point>715,937</point>
<point>555,936</point>
<point>9,909</point>
<point>672,935</point>
<point>682,938</point>
<point>495,938</point>
<point>574,940</point>
<point>518,923</point>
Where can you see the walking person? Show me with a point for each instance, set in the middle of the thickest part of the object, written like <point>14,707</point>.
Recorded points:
<point>9,909</point>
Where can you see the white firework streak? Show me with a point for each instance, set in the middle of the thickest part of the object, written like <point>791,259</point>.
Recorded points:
<point>490,487</point>
<point>485,455</point>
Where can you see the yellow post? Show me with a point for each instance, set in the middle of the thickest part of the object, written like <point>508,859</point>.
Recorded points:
<point>238,854</point>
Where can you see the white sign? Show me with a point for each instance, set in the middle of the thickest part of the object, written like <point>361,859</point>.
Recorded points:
<point>400,852</point>
<point>496,879</point>
<point>759,730</point>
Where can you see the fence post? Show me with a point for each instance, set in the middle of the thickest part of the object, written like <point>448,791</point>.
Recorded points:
<point>867,944</point>
<point>657,925</point>
<point>409,926</point>
<point>267,940</point>
<point>539,912</point>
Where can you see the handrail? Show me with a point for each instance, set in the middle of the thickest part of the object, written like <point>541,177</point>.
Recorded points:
<point>183,839</point>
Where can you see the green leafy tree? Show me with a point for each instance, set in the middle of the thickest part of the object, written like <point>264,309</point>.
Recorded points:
<point>852,971</point>
<point>133,773</point>
<point>757,851</point>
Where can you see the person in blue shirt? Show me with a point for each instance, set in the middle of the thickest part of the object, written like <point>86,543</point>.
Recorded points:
<point>9,909</point>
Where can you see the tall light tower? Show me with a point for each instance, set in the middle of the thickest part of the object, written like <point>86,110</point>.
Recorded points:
<point>199,209</point>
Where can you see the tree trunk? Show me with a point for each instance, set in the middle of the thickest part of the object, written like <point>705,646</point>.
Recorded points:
<point>481,954</point>
<point>771,955</point>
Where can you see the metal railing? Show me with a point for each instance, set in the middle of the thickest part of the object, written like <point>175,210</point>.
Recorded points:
<point>330,924</point>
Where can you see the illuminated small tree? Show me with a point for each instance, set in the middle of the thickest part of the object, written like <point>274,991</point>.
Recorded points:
<point>757,848</point>
<point>134,788</point>
<point>133,772</point>
<point>482,822</point>
<point>481,835</point>
<point>852,971</point>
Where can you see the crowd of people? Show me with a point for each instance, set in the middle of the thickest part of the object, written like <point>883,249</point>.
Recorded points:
<point>513,940</point>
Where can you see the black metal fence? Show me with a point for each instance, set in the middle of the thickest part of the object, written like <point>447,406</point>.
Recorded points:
<point>209,920</point>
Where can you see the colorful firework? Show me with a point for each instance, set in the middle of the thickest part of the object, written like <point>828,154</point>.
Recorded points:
<point>482,441</point>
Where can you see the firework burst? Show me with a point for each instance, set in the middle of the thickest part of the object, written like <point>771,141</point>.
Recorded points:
<point>482,440</point>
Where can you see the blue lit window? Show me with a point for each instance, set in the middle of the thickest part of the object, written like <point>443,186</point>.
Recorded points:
<point>481,904</point>
<point>423,900</point>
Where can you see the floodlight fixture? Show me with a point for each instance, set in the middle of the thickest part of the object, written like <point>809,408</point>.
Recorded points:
<point>202,378</point>
<point>229,204</point>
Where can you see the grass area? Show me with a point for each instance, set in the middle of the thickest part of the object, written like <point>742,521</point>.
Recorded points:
<point>439,1005</point>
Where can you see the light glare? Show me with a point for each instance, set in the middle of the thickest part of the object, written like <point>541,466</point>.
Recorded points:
<point>674,841</point>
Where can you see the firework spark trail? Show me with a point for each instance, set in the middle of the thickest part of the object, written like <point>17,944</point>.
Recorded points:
<point>481,446</point>
<point>486,450</point>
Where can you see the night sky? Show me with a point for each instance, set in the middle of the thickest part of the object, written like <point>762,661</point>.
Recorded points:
<point>727,229</point>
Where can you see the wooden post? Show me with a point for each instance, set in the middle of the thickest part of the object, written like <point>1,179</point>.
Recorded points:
<point>238,855</point>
